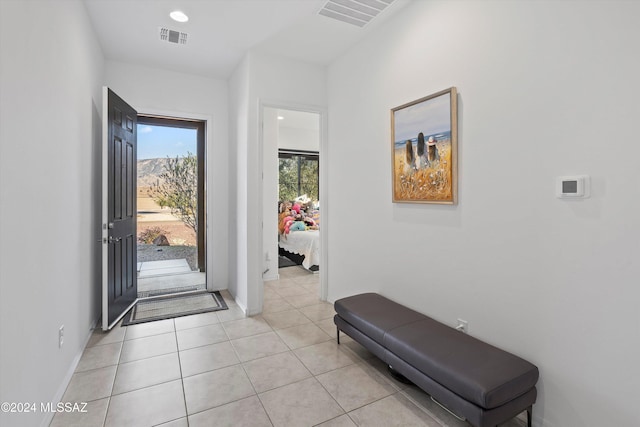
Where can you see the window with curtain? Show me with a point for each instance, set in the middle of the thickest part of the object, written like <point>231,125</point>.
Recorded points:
<point>298,174</point>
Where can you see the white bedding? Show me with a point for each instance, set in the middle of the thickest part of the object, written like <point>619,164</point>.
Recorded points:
<point>305,243</point>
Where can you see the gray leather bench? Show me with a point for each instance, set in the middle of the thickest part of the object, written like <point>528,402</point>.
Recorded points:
<point>468,377</point>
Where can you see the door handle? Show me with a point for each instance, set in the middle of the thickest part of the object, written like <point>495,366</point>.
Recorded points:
<point>114,240</point>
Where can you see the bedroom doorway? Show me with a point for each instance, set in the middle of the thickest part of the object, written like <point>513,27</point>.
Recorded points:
<point>299,200</point>
<point>170,200</point>
<point>292,203</point>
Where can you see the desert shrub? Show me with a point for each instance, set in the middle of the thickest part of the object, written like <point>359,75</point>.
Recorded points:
<point>178,189</point>
<point>148,235</point>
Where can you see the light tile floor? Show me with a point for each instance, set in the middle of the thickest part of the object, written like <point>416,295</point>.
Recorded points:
<point>283,368</point>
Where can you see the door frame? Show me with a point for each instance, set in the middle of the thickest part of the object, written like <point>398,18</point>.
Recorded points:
<point>208,120</point>
<point>155,120</point>
<point>324,200</point>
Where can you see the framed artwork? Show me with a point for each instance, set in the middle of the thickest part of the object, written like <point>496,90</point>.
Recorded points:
<point>424,145</point>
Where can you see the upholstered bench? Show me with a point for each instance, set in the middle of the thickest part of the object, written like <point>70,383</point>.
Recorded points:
<point>468,377</point>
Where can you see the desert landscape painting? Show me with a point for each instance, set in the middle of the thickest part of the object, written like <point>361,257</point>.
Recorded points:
<point>424,149</point>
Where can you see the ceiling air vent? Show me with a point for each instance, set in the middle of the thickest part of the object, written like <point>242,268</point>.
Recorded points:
<point>355,12</point>
<point>171,36</point>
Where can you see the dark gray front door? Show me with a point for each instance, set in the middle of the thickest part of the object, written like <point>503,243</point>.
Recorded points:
<point>120,288</point>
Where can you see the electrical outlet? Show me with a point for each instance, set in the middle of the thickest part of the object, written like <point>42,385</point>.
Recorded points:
<point>60,336</point>
<point>463,326</point>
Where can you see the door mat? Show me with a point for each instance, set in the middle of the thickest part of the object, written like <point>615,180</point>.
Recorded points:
<point>158,292</point>
<point>283,262</point>
<point>168,307</point>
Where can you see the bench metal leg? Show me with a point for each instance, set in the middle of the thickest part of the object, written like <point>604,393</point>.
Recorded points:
<point>338,334</point>
<point>529,414</point>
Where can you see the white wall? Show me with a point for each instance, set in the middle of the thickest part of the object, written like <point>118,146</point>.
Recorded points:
<point>51,73</point>
<point>272,81</point>
<point>156,91</point>
<point>299,139</point>
<point>238,140</point>
<point>270,175</point>
<point>545,89</point>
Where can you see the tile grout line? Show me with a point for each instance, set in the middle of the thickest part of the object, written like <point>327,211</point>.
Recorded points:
<point>423,408</point>
<point>124,340</point>
<point>184,395</point>
<point>106,413</point>
<point>152,385</point>
<point>244,369</point>
<point>292,351</point>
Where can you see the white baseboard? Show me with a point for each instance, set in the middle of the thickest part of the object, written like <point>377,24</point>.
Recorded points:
<point>539,421</point>
<point>243,308</point>
<point>271,277</point>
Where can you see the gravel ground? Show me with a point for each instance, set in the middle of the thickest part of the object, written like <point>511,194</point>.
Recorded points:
<point>175,231</point>
<point>160,253</point>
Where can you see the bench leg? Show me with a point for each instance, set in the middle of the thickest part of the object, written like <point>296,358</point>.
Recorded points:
<point>529,414</point>
<point>338,334</point>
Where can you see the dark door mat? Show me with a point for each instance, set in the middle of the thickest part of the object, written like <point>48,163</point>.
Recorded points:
<point>168,307</point>
<point>283,262</point>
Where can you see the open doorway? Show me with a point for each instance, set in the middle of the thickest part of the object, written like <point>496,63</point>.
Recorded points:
<point>291,202</point>
<point>170,206</point>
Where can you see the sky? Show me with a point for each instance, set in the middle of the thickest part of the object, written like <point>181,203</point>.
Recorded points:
<point>161,141</point>
<point>429,117</point>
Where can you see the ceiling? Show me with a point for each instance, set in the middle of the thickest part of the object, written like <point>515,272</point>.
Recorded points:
<point>221,32</point>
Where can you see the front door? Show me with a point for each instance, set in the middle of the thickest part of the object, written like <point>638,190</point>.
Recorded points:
<point>119,281</point>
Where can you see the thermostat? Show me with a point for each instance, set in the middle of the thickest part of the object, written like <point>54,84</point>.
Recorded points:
<point>573,187</point>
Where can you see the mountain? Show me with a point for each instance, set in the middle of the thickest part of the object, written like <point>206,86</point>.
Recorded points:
<point>149,171</point>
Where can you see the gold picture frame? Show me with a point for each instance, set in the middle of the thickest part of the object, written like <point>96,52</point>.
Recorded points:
<point>424,149</point>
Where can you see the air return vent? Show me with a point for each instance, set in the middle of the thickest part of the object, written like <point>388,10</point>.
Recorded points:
<point>171,36</point>
<point>355,12</point>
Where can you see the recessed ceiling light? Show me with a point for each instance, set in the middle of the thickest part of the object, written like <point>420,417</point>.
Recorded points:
<point>179,16</point>
<point>280,118</point>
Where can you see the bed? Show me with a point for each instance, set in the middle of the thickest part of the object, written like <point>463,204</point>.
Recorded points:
<point>303,243</point>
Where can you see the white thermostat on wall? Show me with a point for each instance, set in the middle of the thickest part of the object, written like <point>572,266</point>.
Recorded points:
<point>573,187</point>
